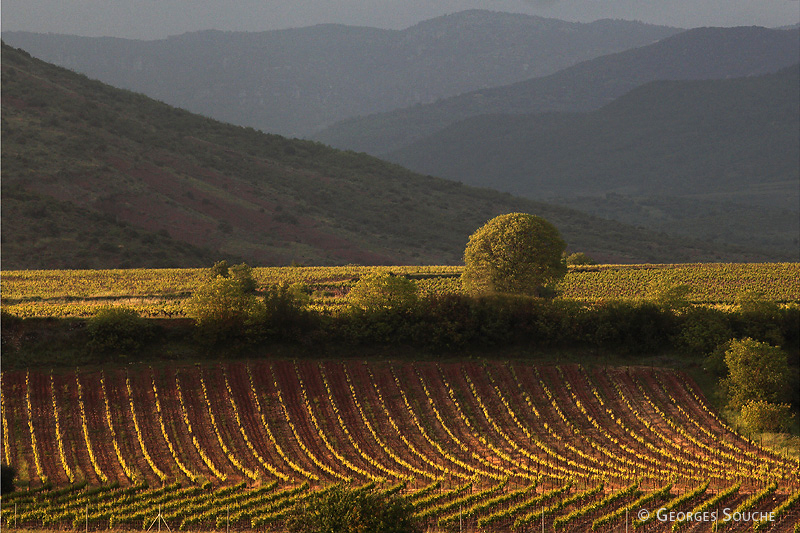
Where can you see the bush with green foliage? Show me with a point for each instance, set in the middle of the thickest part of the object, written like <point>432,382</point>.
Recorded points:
<point>378,291</point>
<point>347,510</point>
<point>515,253</point>
<point>283,314</point>
<point>756,372</point>
<point>225,304</point>
<point>758,416</point>
<point>118,330</point>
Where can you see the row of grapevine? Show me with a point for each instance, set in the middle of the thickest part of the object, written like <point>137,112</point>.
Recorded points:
<point>290,422</point>
<point>497,505</point>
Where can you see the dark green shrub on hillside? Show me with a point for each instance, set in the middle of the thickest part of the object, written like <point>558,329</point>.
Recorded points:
<point>117,330</point>
<point>346,510</point>
<point>759,319</point>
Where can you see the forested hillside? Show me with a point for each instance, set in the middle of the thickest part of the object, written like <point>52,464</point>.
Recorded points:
<point>174,177</point>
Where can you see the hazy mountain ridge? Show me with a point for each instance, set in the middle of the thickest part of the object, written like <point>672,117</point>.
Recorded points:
<point>157,170</point>
<point>702,53</point>
<point>296,81</point>
<point>732,142</point>
<point>696,136</point>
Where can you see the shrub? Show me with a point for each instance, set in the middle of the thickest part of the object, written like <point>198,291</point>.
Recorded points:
<point>224,305</point>
<point>758,416</point>
<point>378,291</point>
<point>283,314</point>
<point>117,329</point>
<point>514,253</point>
<point>346,510</point>
<point>756,372</point>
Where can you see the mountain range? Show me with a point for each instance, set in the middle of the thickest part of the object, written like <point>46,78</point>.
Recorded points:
<point>95,176</point>
<point>701,53</point>
<point>717,159</point>
<point>298,81</point>
<point>686,138</point>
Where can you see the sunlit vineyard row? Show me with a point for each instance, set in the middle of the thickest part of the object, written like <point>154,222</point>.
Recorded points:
<point>501,506</point>
<point>496,445</point>
<point>163,292</point>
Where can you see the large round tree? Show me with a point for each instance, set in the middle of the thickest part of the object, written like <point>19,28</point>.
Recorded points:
<point>514,253</point>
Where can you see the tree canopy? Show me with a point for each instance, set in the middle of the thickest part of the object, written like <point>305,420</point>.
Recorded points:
<point>513,253</point>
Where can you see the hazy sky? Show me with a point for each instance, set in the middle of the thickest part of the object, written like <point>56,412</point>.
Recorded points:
<point>152,19</point>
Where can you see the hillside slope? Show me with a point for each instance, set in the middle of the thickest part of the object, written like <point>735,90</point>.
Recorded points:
<point>702,53</point>
<point>243,194</point>
<point>296,81</point>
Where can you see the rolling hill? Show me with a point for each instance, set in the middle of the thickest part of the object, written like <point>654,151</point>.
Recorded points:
<point>174,178</point>
<point>297,81</point>
<point>702,53</point>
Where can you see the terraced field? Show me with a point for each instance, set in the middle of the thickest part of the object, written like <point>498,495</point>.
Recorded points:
<point>493,446</point>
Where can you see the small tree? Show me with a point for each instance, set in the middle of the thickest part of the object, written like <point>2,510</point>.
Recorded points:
<point>346,510</point>
<point>224,304</point>
<point>513,253</point>
<point>756,372</point>
<point>378,291</point>
<point>117,329</point>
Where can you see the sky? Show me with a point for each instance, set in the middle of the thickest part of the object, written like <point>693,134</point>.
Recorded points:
<point>156,19</point>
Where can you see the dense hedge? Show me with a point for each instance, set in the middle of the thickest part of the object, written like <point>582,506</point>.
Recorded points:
<point>454,321</point>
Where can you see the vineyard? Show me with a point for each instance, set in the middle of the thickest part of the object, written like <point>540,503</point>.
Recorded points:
<point>163,292</point>
<point>486,446</point>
